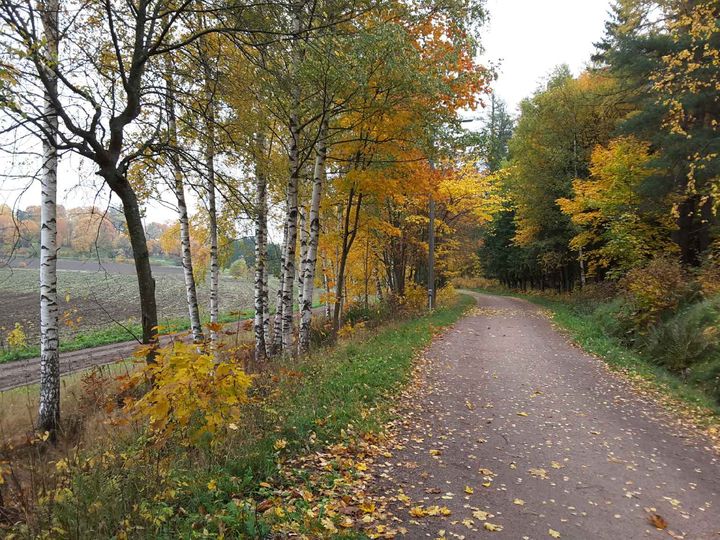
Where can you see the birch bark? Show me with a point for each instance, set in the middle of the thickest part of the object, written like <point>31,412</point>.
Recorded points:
<point>49,409</point>
<point>179,189</point>
<point>261,292</point>
<point>310,258</point>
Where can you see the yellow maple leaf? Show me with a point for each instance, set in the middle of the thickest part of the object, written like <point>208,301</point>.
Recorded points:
<point>469,490</point>
<point>553,533</point>
<point>492,527</point>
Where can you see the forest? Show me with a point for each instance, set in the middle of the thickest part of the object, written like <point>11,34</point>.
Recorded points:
<point>350,162</point>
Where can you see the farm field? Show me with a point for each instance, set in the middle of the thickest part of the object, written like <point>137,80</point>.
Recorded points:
<point>100,301</point>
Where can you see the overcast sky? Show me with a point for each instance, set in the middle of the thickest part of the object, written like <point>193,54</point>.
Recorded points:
<point>530,37</point>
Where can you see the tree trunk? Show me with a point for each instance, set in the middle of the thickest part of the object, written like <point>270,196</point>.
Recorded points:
<point>303,252</point>
<point>277,323</point>
<point>179,189</point>
<point>348,237</point>
<point>212,207</point>
<point>143,270</point>
<point>292,187</point>
<point>310,259</point>
<point>49,410</point>
<point>261,298</point>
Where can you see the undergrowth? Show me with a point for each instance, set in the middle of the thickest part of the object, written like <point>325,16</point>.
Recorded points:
<point>130,486</point>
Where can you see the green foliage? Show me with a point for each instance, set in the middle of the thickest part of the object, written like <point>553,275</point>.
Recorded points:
<point>239,269</point>
<point>615,318</point>
<point>687,338</point>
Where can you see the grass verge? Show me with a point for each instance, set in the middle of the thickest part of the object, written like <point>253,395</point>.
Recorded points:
<point>588,335</point>
<point>114,334</point>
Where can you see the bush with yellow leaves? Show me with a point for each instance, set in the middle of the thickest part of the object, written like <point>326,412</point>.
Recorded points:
<point>446,296</point>
<point>656,289</point>
<point>190,393</point>
<point>16,338</point>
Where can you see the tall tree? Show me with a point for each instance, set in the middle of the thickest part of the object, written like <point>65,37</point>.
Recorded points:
<point>178,188</point>
<point>49,410</point>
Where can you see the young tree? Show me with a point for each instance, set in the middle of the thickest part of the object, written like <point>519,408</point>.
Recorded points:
<point>179,189</point>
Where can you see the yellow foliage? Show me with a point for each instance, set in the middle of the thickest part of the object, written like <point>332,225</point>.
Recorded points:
<point>16,338</point>
<point>191,393</point>
<point>655,289</point>
<point>614,231</point>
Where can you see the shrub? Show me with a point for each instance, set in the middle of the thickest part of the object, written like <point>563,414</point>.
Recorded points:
<point>709,275</point>
<point>415,298</point>
<point>190,393</point>
<point>16,338</point>
<point>706,375</point>
<point>239,269</point>
<point>475,283</point>
<point>688,337</point>
<point>445,296</point>
<point>656,290</point>
<point>616,319</point>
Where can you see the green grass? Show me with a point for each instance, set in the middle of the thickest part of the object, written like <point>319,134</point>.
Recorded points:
<point>586,333</point>
<point>351,384</point>
<point>115,334</point>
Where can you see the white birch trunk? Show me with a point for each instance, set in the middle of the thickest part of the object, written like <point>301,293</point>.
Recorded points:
<point>179,189</point>
<point>310,257</point>
<point>304,236</point>
<point>49,409</point>
<point>261,298</point>
<point>277,323</point>
<point>292,190</point>
<point>212,204</point>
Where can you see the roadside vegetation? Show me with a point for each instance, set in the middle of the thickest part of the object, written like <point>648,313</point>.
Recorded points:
<point>206,463</point>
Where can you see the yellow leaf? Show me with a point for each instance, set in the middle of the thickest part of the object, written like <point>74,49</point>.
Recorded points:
<point>519,502</point>
<point>522,414</point>
<point>212,485</point>
<point>280,444</point>
<point>328,524</point>
<point>492,527</point>
<point>539,473</point>
<point>469,490</point>
<point>553,533</point>
<point>417,511</point>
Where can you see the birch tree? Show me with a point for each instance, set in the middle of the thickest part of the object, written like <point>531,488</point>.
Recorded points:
<point>261,322</point>
<point>49,410</point>
<point>179,190</point>
<point>310,256</point>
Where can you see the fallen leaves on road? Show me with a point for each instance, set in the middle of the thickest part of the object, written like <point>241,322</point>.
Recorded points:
<point>657,521</point>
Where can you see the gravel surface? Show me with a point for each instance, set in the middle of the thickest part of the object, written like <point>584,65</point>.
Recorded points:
<point>519,434</point>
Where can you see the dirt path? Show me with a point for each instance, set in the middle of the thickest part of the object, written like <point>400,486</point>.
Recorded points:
<point>547,441</point>
<point>24,372</point>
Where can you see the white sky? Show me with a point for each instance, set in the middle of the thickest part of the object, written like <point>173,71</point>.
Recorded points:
<point>530,37</point>
<point>525,38</point>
